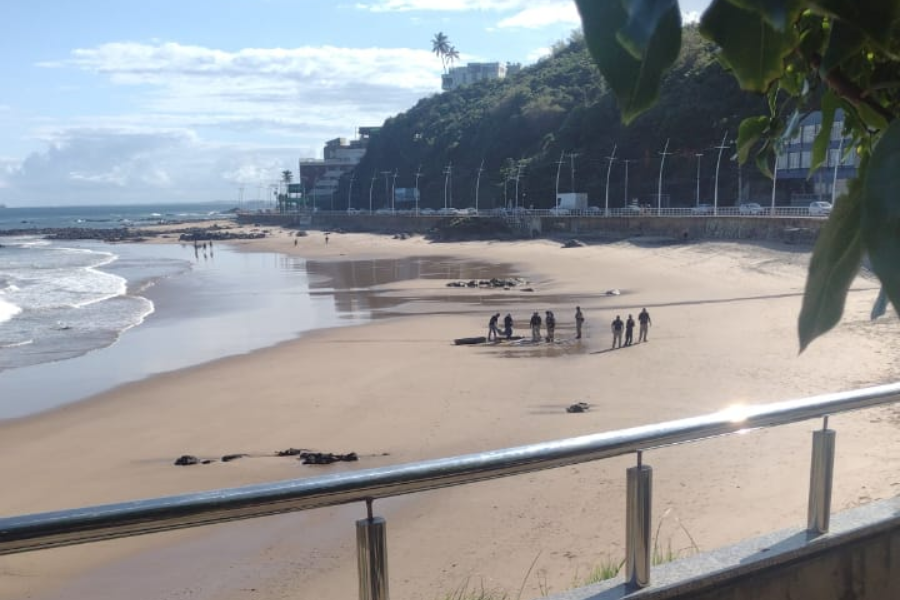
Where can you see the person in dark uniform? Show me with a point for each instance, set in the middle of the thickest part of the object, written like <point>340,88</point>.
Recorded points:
<point>629,331</point>
<point>579,322</point>
<point>617,327</point>
<point>535,327</point>
<point>493,333</point>
<point>644,320</point>
<point>550,321</point>
<point>508,325</point>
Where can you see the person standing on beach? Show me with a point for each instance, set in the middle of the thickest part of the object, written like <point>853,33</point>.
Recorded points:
<point>535,327</point>
<point>579,322</point>
<point>629,331</point>
<point>508,325</point>
<point>617,326</point>
<point>644,320</point>
<point>493,334</point>
<point>551,325</point>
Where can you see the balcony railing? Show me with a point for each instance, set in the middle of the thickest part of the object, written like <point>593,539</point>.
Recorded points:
<point>81,525</point>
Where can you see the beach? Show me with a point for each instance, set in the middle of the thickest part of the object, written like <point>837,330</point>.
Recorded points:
<point>396,389</point>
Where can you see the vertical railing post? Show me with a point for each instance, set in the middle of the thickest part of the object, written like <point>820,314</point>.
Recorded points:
<point>638,524</point>
<point>820,479</point>
<point>371,556</point>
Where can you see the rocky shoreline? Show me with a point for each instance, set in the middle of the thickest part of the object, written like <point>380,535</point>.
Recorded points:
<point>213,232</point>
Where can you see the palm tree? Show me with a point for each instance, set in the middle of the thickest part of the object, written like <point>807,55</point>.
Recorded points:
<point>440,45</point>
<point>452,55</point>
<point>287,176</point>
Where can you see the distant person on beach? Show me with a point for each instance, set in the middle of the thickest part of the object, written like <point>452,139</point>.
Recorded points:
<point>535,327</point>
<point>295,241</point>
<point>617,327</point>
<point>644,320</point>
<point>579,322</point>
<point>493,334</point>
<point>326,239</point>
<point>551,325</point>
<point>508,325</point>
<point>629,331</point>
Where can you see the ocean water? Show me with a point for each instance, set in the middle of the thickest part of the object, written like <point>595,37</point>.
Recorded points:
<point>106,217</point>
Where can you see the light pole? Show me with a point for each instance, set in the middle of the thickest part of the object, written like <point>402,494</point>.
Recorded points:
<point>478,183</point>
<point>518,174</point>
<point>834,175</point>
<point>559,165</point>
<point>350,189</point>
<point>611,158</point>
<point>393,190</point>
<point>386,173</point>
<point>626,161</point>
<point>721,147</point>
<point>699,155</point>
<point>447,171</point>
<point>774,181</point>
<point>662,162</point>
<point>418,174</point>
<point>572,157</point>
<point>371,185</point>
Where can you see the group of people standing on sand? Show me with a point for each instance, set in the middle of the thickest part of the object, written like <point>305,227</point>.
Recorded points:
<point>618,326</point>
<point>548,321</point>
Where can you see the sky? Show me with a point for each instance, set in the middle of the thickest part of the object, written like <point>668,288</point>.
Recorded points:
<point>119,101</point>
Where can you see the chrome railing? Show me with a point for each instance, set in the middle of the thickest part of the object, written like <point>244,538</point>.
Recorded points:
<point>596,212</point>
<point>68,527</point>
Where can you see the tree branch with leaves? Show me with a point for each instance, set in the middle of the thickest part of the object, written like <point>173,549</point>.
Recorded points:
<point>803,55</point>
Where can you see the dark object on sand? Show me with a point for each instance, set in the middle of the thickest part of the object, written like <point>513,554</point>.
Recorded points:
<point>578,407</point>
<point>326,458</point>
<point>231,457</point>
<point>291,452</point>
<point>574,244</point>
<point>187,459</point>
<point>470,340</point>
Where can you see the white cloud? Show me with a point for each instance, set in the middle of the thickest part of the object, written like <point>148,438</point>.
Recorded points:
<point>542,14</point>
<point>691,16</point>
<point>539,53</point>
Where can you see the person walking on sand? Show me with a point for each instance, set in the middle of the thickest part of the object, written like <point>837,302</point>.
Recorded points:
<point>535,327</point>
<point>508,325</point>
<point>579,322</point>
<point>551,325</point>
<point>644,320</point>
<point>629,331</point>
<point>493,334</point>
<point>617,326</point>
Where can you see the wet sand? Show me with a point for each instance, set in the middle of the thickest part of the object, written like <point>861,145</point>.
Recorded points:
<point>396,390</point>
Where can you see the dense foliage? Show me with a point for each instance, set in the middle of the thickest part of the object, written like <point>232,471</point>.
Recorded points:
<point>561,111</point>
<point>799,55</point>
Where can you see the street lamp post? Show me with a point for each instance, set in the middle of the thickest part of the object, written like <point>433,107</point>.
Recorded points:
<point>418,174</point>
<point>371,185</point>
<point>393,190</point>
<point>559,165</point>
<point>611,158</point>
<point>774,181</point>
<point>386,192</point>
<point>834,175</point>
<point>720,147</point>
<point>518,174</point>
<point>478,183</point>
<point>699,155</point>
<point>626,161</point>
<point>662,162</point>
<point>350,189</point>
<point>447,171</point>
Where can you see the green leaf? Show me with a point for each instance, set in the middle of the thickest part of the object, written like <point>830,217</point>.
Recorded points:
<point>777,13</point>
<point>877,19</point>
<point>879,307</point>
<point>871,117</point>
<point>749,132</point>
<point>843,42</point>
<point>823,138</point>
<point>644,17</point>
<point>751,48</point>
<point>881,212</point>
<point>634,82</point>
<point>836,259</point>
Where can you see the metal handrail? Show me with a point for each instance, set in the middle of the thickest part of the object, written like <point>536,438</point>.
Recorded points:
<point>67,527</point>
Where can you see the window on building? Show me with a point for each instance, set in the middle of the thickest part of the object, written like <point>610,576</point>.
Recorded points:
<point>833,156</point>
<point>809,134</point>
<point>794,160</point>
<point>781,162</point>
<point>836,129</point>
<point>806,159</point>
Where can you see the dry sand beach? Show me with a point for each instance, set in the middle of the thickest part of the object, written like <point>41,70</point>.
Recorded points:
<point>397,390</point>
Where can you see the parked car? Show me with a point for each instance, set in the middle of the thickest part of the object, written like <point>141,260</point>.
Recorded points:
<point>447,211</point>
<point>820,208</point>
<point>558,211</point>
<point>632,209</point>
<point>426,211</point>
<point>751,208</point>
<point>354,211</point>
<point>594,210</point>
<point>384,211</point>
<point>468,211</point>
<point>702,209</point>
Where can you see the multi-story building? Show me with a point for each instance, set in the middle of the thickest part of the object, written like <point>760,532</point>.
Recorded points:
<point>830,179</point>
<point>472,72</point>
<point>320,177</point>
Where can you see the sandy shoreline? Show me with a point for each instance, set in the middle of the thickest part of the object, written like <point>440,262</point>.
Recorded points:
<point>397,390</point>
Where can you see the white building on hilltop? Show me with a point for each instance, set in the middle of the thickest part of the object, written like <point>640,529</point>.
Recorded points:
<point>320,178</point>
<point>472,72</point>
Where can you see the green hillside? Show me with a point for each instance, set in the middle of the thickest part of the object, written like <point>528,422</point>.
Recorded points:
<point>561,105</point>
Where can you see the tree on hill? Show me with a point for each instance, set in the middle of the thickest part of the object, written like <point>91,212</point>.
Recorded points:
<point>800,55</point>
<point>440,45</point>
